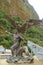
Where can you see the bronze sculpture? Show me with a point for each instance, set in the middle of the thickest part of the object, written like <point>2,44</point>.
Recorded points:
<point>17,43</point>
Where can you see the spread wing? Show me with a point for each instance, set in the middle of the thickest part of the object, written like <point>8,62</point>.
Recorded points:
<point>30,23</point>
<point>22,28</point>
<point>35,21</point>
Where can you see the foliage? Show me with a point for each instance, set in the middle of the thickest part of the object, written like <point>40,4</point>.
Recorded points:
<point>6,40</point>
<point>31,51</point>
<point>8,26</point>
<point>18,20</point>
<point>20,8</point>
<point>5,23</point>
<point>7,4</point>
<point>34,33</point>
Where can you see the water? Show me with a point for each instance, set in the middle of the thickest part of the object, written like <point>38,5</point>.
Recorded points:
<point>2,49</point>
<point>38,51</point>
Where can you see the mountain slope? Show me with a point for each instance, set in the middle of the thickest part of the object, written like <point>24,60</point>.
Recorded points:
<point>19,8</point>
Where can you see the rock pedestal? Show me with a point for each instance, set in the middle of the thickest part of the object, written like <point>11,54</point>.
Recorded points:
<point>14,59</point>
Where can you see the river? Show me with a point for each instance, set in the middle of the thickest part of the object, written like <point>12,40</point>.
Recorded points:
<point>38,50</point>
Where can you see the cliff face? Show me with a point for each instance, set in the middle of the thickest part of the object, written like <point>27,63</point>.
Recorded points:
<point>20,8</point>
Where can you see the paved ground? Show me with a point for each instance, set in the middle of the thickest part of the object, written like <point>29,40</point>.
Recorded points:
<point>36,62</point>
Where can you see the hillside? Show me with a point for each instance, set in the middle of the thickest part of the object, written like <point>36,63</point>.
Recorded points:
<point>19,8</point>
<point>20,11</point>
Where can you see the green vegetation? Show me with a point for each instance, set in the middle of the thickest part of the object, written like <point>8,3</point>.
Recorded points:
<point>6,40</point>
<point>34,33</point>
<point>20,8</point>
<point>7,4</point>
<point>31,51</point>
<point>18,20</point>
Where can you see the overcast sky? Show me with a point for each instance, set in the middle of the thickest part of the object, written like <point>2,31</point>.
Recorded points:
<point>38,6</point>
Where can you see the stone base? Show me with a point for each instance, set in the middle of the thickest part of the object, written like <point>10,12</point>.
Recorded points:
<point>19,59</point>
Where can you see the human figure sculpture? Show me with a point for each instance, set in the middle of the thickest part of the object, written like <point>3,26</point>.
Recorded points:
<point>17,44</point>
